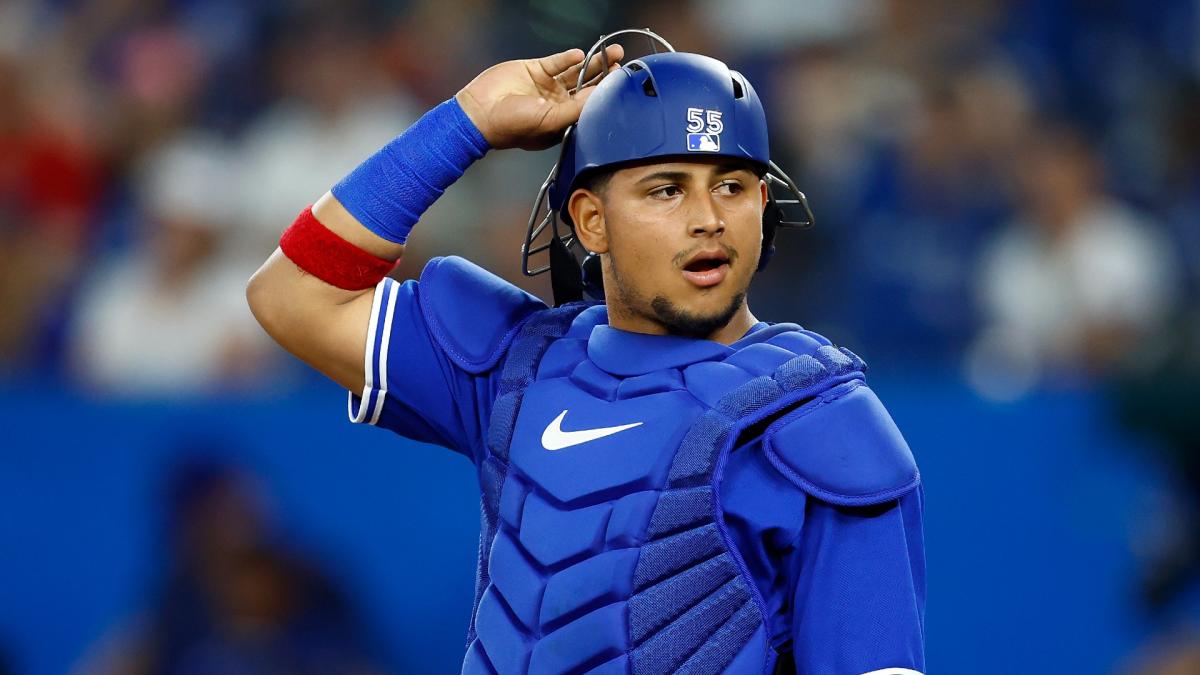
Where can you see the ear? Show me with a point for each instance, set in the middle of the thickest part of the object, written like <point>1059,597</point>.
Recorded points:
<point>764,191</point>
<point>587,212</point>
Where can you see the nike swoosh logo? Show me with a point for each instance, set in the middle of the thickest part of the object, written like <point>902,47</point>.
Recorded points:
<point>554,438</point>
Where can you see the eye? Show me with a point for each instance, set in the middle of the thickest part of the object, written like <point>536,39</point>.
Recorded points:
<point>666,192</point>
<point>731,187</point>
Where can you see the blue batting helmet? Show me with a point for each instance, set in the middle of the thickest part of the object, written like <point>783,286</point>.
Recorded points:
<point>664,105</point>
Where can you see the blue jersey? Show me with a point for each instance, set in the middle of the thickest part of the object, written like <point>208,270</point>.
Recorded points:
<point>838,582</point>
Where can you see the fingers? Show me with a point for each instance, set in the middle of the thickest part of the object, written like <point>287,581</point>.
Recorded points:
<point>556,64</point>
<point>568,111</point>
<point>614,53</point>
<point>588,84</point>
<point>564,68</point>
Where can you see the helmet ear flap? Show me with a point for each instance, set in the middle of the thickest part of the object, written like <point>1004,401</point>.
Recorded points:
<point>772,216</point>
<point>593,277</point>
<point>566,277</point>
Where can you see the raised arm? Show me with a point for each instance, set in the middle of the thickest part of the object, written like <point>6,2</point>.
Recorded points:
<point>525,104</point>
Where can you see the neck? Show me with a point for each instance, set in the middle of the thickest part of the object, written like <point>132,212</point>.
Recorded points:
<point>621,317</point>
<point>737,327</point>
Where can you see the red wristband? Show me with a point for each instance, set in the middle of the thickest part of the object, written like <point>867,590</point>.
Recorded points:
<point>317,250</point>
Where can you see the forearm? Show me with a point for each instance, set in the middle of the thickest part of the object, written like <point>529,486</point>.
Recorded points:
<point>314,294</point>
<point>522,103</point>
<point>330,212</point>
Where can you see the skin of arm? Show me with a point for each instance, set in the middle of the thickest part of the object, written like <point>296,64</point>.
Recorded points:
<point>322,325</point>
<point>516,104</point>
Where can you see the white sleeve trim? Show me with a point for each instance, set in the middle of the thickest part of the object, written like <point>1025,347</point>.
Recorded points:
<point>894,671</point>
<point>372,390</point>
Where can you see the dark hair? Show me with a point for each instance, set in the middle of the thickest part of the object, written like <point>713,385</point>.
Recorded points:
<point>595,181</point>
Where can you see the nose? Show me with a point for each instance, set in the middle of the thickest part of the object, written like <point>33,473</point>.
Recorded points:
<point>706,219</point>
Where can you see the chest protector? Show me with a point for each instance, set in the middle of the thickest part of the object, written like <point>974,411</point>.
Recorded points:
<point>604,550</point>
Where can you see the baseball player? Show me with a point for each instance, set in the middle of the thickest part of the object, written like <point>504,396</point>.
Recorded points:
<point>668,484</point>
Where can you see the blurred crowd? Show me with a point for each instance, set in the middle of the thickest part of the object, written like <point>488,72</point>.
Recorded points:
<point>1005,190</point>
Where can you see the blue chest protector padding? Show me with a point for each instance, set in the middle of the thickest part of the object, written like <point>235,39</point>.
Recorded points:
<point>612,556</point>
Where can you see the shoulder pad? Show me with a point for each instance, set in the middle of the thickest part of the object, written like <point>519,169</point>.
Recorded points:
<point>843,448</point>
<point>472,313</point>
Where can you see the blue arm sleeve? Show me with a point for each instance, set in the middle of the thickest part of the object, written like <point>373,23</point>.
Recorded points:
<point>431,353</point>
<point>859,599</point>
<point>389,191</point>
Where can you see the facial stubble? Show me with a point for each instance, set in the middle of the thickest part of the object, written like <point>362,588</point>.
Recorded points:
<point>675,319</point>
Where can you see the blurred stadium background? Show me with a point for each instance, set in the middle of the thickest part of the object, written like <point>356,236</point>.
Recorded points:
<point>1008,197</point>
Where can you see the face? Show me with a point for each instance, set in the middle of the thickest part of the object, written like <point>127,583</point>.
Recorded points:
<point>680,242</point>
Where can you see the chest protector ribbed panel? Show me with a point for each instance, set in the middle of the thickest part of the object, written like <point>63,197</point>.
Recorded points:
<point>610,555</point>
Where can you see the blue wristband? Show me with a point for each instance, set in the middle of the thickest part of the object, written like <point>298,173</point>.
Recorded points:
<point>390,190</point>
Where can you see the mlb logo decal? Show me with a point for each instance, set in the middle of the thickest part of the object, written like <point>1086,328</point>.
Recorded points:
<point>704,143</point>
<point>704,129</point>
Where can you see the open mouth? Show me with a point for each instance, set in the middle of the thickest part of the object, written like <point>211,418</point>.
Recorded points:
<point>707,268</point>
<point>706,265</point>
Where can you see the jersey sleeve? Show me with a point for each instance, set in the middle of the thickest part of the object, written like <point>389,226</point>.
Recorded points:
<point>431,351</point>
<point>859,599</point>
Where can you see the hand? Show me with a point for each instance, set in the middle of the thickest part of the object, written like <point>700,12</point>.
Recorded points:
<point>528,103</point>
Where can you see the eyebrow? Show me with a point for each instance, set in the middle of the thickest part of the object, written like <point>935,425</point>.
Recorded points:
<point>682,176</point>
